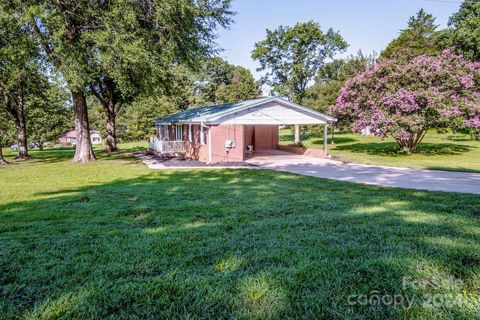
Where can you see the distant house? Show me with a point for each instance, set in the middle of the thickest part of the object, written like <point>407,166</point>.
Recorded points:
<point>233,131</point>
<point>70,138</point>
<point>95,137</point>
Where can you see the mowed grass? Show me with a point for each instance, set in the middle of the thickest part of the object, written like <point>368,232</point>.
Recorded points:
<point>113,239</point>
<point>453,152</point>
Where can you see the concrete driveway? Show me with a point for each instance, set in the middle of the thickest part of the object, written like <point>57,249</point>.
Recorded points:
<point>368,174</point>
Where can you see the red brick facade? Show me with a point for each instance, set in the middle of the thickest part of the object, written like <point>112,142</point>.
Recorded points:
<point>261,137</point>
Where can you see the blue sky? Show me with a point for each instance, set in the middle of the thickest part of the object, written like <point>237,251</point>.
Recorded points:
<point>368,25</point>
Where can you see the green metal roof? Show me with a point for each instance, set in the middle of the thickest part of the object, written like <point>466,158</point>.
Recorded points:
<point>202,113</point>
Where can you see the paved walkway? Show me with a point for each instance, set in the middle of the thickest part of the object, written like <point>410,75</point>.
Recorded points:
<point>368,174</point>
<point>156,164</point>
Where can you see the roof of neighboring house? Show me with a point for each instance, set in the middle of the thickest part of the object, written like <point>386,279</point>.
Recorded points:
<point>73,134</point>
<point>69,134</point>
<point>208,112</point>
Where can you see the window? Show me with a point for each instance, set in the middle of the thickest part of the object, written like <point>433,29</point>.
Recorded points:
<point>190,134</point>
<point>179,132</point>
<point>165,134</point>
<point>203,135</point>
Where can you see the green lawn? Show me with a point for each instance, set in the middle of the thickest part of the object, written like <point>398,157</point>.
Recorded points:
<point>455,152</point>
<point>114,239</point>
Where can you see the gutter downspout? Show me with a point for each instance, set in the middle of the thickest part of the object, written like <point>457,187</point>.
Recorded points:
<point>325,139</point>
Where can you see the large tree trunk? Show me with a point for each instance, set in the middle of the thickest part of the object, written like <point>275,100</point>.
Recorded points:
<point>21,126</point>
<point>410,144</point>
<point>297,135</point>
<point>83,147</point>
<point>475,134</point>
<point>3,162</point>
<point>110,115</point>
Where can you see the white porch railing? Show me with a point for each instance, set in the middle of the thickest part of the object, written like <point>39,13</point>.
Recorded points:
<point>163,146</point>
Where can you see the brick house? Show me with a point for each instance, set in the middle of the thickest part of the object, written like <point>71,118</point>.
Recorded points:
<point>233,131</point>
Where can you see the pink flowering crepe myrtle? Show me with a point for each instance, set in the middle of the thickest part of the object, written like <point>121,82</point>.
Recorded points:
<point>405,99</point>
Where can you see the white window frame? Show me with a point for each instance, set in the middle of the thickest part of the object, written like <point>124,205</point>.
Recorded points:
<point>179,132</point>
<point>190,135</point>
<point>202,135</point>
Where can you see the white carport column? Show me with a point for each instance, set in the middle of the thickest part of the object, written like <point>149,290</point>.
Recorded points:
<point>325,139</point>
<point>297,134</point>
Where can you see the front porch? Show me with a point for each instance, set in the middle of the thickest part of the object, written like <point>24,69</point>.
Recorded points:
<point>167,146</point>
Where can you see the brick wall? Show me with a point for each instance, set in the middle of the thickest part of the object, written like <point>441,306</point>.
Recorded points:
<point>222,133</point>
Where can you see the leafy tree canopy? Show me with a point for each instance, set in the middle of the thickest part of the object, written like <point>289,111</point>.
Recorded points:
<point>242,87</point>
<point>216,82</point>
<point>4,128</point>
<point>221,82</point>
<point>49,115</point>
<point>92,43</point>
<point>331,77</point>
<point>22,74</point>
<point>465,32</point>
<point>420,37</point>
<point>292,56</point>
<point>405,99</point>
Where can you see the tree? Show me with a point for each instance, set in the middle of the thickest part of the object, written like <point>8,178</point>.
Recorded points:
<point>122,64</point>
<point>242,87</point>
<point>120,70</point>
<point>48,115</point>
<point>216,82</point>
<point>71,34</point>
<point>4,127</point>
<point>292,56</point>
<point>21,77</point>
<point>136,118</point>
<point>221,82</point>
<point>465,32</point>
<point>330,71</point>
<point>214,73</point>
<point>420,37</point>
<point>405,99</point>
<point>110,96</point>
<point>330,79</point>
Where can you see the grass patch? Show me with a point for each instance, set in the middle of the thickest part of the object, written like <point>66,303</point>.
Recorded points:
<point>114,239</point>
<point>453,152</point>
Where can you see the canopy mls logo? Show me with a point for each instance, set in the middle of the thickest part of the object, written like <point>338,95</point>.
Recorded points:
<point>447,292</point>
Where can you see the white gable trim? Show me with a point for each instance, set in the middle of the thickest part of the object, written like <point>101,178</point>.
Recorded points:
<point>294,105</point>
<point>273,112</point>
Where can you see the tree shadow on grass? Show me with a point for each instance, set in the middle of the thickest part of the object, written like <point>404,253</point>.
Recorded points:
<point>337,140</point>
<point>231,244</point>
<point>318,140</point>
<point>48,155</point>
<point>391,149</point>
<point>460,138</point>
<point>61,154</point>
